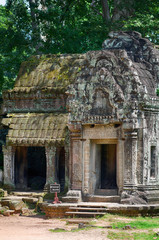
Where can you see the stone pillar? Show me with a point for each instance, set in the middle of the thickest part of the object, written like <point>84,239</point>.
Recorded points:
<point>9,155</point>
<point>86,166</point>
<point>75,162</point>
<point>130,165</point>
<point>51,166</point>
<point>120,165</point>
<point>67,181</point>
<point>134,157</point>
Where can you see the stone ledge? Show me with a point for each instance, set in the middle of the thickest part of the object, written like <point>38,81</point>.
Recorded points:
<point>59,210</point>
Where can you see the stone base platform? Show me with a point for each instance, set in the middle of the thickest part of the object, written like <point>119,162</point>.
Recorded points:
<point>59,210</point>
<point>55,210</point>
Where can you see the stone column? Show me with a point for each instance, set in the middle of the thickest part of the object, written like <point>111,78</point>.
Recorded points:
<point>51,166</point>
<point>86,166</point>
<point>9,155</point>
<point>67,182</point>
<point>130,165</point>
<point>134,157</point>
<point>75,162</point>
<point>120,165</point>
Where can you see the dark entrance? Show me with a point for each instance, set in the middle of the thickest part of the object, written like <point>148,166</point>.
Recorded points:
<point>105,169</point>
<point>108,166</point>
<point>30,168</point>
<point>36,167</point>
<point>61,167</point>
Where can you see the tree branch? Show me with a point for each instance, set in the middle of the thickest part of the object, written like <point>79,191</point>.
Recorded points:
<point>93,6</point>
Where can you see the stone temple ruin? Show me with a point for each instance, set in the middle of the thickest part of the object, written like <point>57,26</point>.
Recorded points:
<point>87,121</point>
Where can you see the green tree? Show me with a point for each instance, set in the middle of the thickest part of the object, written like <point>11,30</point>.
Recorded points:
<point>14,42</point>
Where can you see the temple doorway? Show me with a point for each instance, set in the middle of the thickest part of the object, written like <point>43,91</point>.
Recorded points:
<point>108,166</point>
<point>105,164</point>
<point>30,168</point>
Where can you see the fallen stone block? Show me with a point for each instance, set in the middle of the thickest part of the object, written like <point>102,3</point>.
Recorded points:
<point>6,214</point>
<point>5,202</point>
<point>25,210</point>
<point>2,210</point>
<point>16,205</point>
<point>30,200</point>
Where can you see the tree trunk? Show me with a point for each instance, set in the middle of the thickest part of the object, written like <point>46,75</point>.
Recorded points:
<point>35,25</point>
<point>106,12</point>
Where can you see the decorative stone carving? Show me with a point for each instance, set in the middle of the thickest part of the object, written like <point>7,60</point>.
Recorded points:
<point>9,153</point>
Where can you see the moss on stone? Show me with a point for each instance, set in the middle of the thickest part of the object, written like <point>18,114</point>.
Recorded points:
<point>49,71</point>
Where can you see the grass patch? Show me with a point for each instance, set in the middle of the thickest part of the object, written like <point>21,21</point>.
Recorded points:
<point>58,230</point>
<point>132,236</point>
<point>145,236</point>
<point>81,229</point>
<point>139,223</point>
<point>112,217</point>
<point>119,235</point>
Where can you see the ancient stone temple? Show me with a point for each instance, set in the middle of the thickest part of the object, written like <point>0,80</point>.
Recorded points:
<point>87,121</point>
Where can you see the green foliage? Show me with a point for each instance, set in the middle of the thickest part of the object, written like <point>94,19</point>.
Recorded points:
<point>14,45</point>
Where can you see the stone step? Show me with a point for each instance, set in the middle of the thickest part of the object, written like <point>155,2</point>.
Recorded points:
<point>19,198</point>
<point>87,209</point>
<point>106,192</point>
<point>85,213</point>
<point>12,198</point>
<point>30,200</point>
<point>92,204</point>
<point>27,194</point>
<point>103,199</point>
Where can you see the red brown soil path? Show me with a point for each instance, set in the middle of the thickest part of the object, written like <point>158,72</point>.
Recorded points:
<point>37,228</point>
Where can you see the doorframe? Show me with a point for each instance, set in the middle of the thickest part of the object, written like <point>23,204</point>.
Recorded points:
<point>119,162</point>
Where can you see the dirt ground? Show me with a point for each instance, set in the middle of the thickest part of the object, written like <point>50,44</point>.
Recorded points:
<point>37,228</point>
